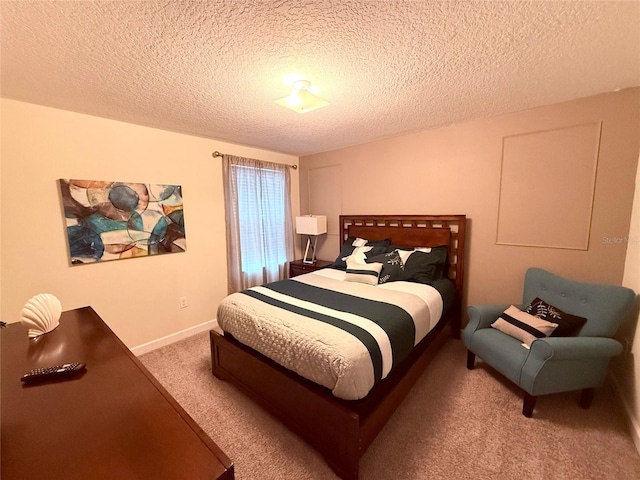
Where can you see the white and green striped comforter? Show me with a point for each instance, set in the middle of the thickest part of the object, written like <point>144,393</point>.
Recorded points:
<point>343,335</point>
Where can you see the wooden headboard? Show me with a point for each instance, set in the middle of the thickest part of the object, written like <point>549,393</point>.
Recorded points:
<point>414,231</point>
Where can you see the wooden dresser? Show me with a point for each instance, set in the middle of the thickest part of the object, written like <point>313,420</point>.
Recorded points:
<point>114,421</point>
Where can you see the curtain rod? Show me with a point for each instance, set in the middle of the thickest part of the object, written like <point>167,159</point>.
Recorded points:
<point>217,154</point>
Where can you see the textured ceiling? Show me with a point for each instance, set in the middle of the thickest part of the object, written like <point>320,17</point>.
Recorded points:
<point>214,68</point>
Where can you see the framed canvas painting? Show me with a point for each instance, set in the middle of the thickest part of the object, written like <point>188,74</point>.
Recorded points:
<point>115,220</point>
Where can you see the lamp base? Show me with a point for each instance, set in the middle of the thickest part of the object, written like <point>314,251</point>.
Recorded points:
<point>311,246</point>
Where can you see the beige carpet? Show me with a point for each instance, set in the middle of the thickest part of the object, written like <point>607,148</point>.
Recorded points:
<point>455,424</point>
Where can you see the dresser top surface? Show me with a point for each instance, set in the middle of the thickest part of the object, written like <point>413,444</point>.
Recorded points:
<point>113,420</point>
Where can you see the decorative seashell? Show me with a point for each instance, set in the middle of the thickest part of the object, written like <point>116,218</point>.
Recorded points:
<point>41,314</point>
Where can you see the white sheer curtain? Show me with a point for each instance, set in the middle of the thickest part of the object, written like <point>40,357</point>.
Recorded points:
<point>257,198</point>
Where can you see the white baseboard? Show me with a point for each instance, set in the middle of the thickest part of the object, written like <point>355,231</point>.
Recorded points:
<point>175,337</point>
<point>632,421</point>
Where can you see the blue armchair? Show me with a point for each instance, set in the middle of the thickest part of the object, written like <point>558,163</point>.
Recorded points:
<point>553,364</point>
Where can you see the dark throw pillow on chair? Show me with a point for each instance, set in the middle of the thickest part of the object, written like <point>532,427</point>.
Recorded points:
<point>568,325</point>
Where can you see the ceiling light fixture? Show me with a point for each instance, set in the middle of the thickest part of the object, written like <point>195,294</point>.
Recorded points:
<point>301,99</point>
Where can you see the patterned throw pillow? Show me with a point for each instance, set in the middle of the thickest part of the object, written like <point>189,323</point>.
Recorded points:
<point>362,272</point>
<point>524,327</point>
<point>568,325</point>
<point>392,268</point>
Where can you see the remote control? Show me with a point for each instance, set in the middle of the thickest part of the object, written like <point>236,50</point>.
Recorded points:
<point>52,372</point>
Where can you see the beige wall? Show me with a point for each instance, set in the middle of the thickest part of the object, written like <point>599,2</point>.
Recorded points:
<point>1,215</point>
<point>456,170</point>
<point>138,298</point>
<point>626,367</point>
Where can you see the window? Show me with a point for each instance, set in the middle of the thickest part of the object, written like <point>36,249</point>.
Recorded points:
<point>259,227</point>
<point>261,202</point>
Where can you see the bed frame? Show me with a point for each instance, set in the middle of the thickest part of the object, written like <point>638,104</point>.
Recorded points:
<point>342,430</point>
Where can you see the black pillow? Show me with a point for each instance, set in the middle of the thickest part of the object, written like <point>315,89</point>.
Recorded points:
<point>568,325</point>
<point>348,248</point>
<point>379,243</point>
<point>423,267</point>
<point>392,268</point>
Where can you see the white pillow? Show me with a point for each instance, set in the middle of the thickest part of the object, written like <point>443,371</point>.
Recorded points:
<point>362,272</point>
<point>359,242</point>
<point>404,254</point>
<point>523,326</point>
<point>358,255</point>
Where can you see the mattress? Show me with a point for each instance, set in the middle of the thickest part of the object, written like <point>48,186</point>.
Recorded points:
<point>343,335</point>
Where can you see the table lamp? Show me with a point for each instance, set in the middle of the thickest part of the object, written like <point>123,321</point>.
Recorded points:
<point>311,226</point>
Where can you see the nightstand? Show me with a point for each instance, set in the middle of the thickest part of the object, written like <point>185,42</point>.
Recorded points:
<point>298,268</point>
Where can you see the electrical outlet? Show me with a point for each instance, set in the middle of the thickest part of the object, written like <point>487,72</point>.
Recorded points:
<point>183,302</point>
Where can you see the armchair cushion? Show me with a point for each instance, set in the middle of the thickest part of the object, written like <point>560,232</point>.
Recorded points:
<point>502,352</point>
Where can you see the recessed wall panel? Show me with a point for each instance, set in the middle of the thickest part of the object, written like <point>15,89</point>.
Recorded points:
<point>325,198</point>
<point>325,194</point>
<point>547,186</point>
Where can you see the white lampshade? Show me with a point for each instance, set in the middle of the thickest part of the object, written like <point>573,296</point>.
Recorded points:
<point>311,225</point>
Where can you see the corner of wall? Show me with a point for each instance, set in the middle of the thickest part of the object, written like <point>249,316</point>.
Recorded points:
<point>626,375</point>
<point>632,420</point>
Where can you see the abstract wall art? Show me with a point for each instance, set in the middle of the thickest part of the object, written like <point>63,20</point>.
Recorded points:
<point>115,220</point>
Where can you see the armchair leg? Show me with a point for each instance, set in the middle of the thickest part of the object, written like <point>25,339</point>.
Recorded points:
<point>527,406</point>
<point>471,359</point>
<point>586,397</point>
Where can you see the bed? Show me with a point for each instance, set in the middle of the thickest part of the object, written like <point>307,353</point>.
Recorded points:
<point>342,429</point>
